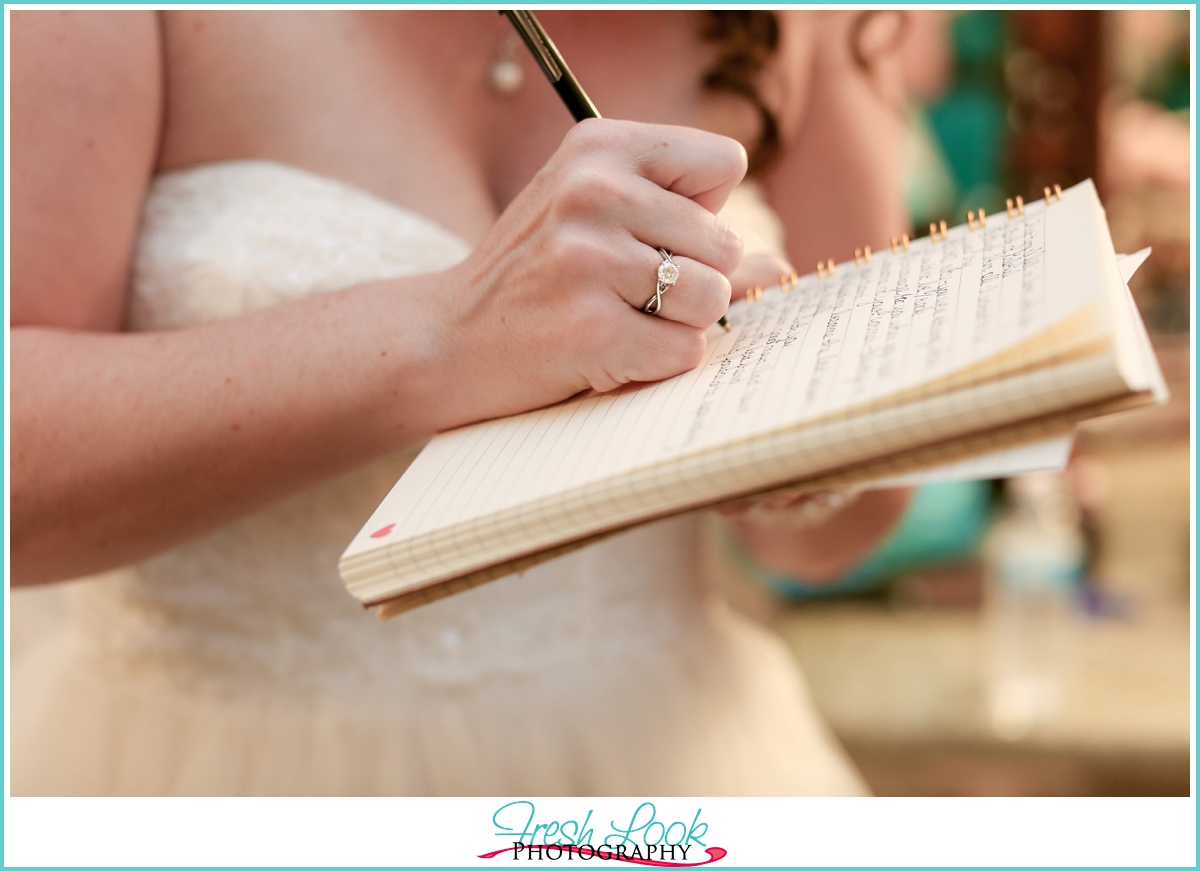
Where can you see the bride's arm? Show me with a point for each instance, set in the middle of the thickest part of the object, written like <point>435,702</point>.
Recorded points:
<point>124,445</point>
<point>837,186</point>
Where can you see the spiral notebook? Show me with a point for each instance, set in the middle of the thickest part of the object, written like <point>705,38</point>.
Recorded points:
<point>987,337</point>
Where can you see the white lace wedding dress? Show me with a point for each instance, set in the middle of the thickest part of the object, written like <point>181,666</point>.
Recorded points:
<point>238,664</point>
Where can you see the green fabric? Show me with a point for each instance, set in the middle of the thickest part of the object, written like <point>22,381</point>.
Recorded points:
<point>969,121</point>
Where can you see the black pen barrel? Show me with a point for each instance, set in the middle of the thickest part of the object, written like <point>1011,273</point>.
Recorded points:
<point>577,102</point>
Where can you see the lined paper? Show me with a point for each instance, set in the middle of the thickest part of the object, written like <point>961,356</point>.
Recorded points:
<point>863,335</point>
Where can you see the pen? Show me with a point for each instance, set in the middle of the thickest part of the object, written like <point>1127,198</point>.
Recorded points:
<point>548,57</point>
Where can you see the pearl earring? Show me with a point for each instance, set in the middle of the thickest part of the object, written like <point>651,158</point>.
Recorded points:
<point>506,74</point>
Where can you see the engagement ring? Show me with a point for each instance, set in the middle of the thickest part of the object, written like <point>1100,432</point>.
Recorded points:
<point>668,274</point>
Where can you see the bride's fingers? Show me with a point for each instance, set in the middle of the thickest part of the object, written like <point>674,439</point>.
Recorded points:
<point>759,270</point>
<point>702,166</point>
<point>692,163</point>
<point>647,348</point>
<point>698,298</point>
<point>662,219</point>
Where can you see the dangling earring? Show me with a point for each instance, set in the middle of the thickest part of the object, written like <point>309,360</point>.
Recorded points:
<point>506,74</point>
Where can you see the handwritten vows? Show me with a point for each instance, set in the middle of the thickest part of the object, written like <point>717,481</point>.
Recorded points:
<point>865,334</point>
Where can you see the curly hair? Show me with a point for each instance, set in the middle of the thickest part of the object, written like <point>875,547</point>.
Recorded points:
<point>746,40</point>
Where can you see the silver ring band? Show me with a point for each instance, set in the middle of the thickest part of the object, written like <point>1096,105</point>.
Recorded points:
<point>668,274</point>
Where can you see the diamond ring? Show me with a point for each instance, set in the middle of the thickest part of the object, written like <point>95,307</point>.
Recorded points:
<point>668,274</point>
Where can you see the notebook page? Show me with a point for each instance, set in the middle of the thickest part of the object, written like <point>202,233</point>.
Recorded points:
<point>1046,456</point>
<point>1049,455</point>
<point>863,334</point>
<point>1137,361</point>
<point>1128,264</point>
<point>831,446</point>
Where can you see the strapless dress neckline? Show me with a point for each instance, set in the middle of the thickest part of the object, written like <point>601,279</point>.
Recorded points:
<point>238,664</point>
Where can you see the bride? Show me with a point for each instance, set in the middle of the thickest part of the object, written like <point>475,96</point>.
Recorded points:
<point>258,257</point>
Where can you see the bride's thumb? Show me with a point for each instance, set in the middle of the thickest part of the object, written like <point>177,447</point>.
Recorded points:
<point>759,270</point>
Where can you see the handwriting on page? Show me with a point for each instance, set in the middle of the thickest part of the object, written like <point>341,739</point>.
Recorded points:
<point>865,333</point>
<point>872,330</point>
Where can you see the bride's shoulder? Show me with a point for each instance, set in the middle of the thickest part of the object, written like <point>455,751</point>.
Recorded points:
<point>85,109</point>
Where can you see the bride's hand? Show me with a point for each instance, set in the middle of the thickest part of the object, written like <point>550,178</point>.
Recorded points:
<point>550,302</point>
<point>817,536</point>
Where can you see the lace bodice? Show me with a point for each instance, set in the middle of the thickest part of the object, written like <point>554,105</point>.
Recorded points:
<point>262,598</point>
<point>239,665</point>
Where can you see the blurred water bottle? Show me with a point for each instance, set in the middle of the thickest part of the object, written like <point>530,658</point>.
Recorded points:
<point>1035,560</point>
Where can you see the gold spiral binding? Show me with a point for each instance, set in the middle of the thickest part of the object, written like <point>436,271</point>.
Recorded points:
<point>939,231</point>
<point>1020,210</point>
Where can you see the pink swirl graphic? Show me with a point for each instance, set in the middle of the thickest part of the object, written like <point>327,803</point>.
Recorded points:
<point>715,854</point>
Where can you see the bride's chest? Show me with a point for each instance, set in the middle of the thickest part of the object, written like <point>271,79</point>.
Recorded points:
<point>406,105</point>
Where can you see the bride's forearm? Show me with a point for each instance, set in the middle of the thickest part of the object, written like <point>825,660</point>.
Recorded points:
<point>126,444</point>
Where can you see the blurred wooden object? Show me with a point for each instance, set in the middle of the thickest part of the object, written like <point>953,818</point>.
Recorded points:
<point>1054,76</point>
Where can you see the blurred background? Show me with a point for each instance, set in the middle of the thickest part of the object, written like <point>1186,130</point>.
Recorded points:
<point>1031,636</point>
